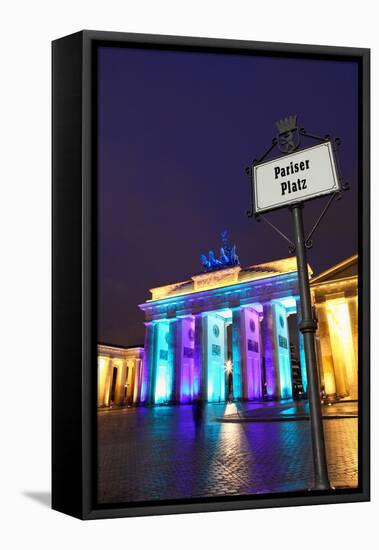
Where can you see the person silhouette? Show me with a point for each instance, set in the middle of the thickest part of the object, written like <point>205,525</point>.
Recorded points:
<point>198,415</point>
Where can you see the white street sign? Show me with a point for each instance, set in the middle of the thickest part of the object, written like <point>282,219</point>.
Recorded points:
<point>295,178</point>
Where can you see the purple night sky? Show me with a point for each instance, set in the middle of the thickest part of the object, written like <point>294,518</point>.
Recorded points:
<point>176,131</point>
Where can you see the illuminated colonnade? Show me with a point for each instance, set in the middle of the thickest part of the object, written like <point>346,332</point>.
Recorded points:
<point>240,316</point>
<point>335,296</point>
<point>186,342</point>
<point>118,379</point>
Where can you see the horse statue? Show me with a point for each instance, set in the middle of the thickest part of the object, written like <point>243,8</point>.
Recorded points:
<point>228,256</point>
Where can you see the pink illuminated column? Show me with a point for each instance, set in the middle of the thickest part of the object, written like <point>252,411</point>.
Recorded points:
<point>200,377</point>
<point>251,354</point>
<point>184,362</point>
<point>174,358</point>
<point>237,353</point>
<point>187,358</point>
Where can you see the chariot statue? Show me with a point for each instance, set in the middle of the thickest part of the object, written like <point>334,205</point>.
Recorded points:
<point>227,258</point>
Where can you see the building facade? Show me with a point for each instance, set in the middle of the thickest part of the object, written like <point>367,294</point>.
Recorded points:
<point>335,297</point>
<point>119,373</point>
<point>226,333</point>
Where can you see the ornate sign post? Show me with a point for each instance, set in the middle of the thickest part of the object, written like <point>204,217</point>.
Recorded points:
<point>308,328</point>
<point>289,181</point>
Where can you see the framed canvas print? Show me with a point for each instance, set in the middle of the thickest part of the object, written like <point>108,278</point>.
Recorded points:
<point>210,274</point>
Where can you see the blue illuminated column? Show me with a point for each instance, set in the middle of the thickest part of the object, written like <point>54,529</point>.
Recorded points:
<point>303,364</point>
<point>163,364</point>
<point>214,341</point>
<point>147,382</point>
<point>174,357</point>
<point>283,351</point>
<point>236,353</point>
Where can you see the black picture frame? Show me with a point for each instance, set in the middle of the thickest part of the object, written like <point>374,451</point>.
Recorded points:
<point>74,294</point>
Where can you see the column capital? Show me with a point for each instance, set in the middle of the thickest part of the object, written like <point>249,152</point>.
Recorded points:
<point>173,320</point>
<point>350,293</point>
<point>186,316</point>
<point>200,314</point>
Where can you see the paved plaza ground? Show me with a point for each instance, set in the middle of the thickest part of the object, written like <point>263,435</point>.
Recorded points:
<point>167,452</point>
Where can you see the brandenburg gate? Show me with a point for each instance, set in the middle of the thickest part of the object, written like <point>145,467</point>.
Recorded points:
<point>232,318</point>
<point>224,333</point>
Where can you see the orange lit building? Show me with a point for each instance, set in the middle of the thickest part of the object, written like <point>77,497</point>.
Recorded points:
<point>335,296</point>
<point>118,375</point>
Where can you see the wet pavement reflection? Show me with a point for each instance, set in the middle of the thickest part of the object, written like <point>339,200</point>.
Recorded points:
<point>170,452</point>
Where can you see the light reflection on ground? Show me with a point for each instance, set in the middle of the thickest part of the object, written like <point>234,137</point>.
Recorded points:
<point>165,453</point>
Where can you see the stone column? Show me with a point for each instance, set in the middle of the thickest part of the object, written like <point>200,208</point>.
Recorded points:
<point>137,381</point>
<point>237,353</point>
<point>131,365</point>
<point>283,351</point>
<point>200,363</point>
<point>303,363</point>
<point>187,385</point>
<point>108,384</point>
<point>326,365</point>
<point>162,365</point>
<point>120,383</point>
<point>339,340</point>
<point>270,352</point>
<point>213,328</point>
<point>352,301</point>
<point>251,356</point>
<point>103,373</point>
<point>175,357</point>
<point>147,381</point>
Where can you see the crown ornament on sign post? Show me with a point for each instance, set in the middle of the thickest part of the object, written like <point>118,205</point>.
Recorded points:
<point>288,136</point>
<point>287,124</point>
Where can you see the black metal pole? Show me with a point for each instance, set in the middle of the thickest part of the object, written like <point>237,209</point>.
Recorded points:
<point>308,326</point>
